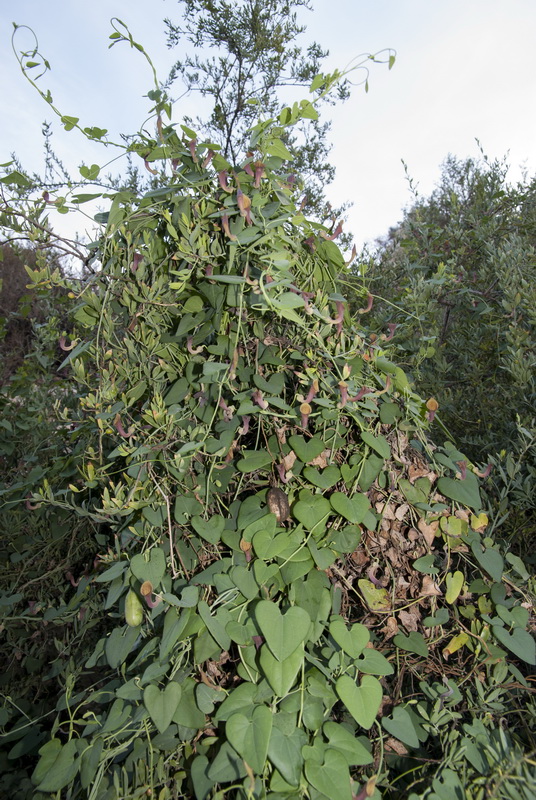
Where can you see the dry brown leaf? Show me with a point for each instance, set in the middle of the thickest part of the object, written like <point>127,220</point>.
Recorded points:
<point>288,460</point>
<point>322,460</point>
<point>410,619</point>
<point>428,530</point>
<point>429,587</point>
<point>390,628</point>
<point>401,511</point>
<point>386,510</point>
<point>396,746</point>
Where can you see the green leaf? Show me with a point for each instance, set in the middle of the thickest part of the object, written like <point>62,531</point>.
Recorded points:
<point>519,642</point>
<point>312,510</point>
<point>16,178</point>
<point>378,443</point>
<point>227,767</point>
<point>281,674</point>
<point>454,586</point>
<point>306,450</point>
<point>275,147</point>
<point>162,705</point>
<point>353,641</point>
<point>518,565</point>
<point>426,564</point>
<point>325,479</point>
<point>89,762</point>
<point>363,701</point>
<point>287,301</point>
<point>90,173</point>
<point>400,725</point>
<point>244,581</point>
<point>332,778</point>
<point>199,775</point>
<point>441,617</point>
<point>149,566</point>
<point>69,122</point>
<point>216,623</point>
<point>414,643</point>
<point>351,508</point>
<point>466,492</point>
<point>250,736</point>
<point>285,747</point>
<point>389,413</point>
<point>119,644</point>
<point>283,632</point>
<point>62,766</point>
<point>268,546</point>
<point>210,530</point>
<point>373,663</point>
<point>376,599</point>
<point>253,460</point>
<point>490,560</point>
<point>340,738</point>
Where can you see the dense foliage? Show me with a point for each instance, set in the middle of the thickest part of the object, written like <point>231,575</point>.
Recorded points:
<point>458,280</point>
<point>234,565</point>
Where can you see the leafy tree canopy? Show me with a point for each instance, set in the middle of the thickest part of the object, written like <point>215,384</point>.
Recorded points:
<point>253,59</point>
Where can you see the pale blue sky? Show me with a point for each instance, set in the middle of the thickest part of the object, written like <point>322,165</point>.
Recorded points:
<point>464,70</point>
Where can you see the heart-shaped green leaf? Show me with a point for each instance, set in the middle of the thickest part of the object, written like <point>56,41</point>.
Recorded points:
<point>281,674</point>
<point>426,564</point>
<point>351,508</point>
<point>400,726</point>
<point>324,479</point>
<point>253,460</point>
<point>268,546</point>
<point>389,413</point>
<point>244,581</point>
<point>285,748</point>
<point>352,641</point>
<point>441,617</point>
<point>283,632</point>
<point>238,633</point>
<point>378,443</point>
<point>209,529</point>
<point>323,556</point>
<point>520,642</point>
<point>306,450</point>
<point>349,473</point>
<point>363,701</point>
<point>454,586</point>
<point>250,736</point>
<point>373,663</point>
<point>466,492</point>
<point>490,560</point>
<point>346,540</point>
<point>332,778</point>
<point>265,573</point>
<point>340,738</point>
<point>312,510</point>
<point>413,643</point>
<point>149,566</point>
<point>267,523</point>
<point>161,705</point>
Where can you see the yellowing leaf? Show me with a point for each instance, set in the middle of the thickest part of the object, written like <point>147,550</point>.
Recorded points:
<point>455,643</point>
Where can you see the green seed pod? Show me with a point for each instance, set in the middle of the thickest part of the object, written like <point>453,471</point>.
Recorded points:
<point>133,609</point>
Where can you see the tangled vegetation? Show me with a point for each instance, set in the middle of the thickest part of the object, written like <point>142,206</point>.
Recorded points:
<point>458,289</point>
<point>234,563</point>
